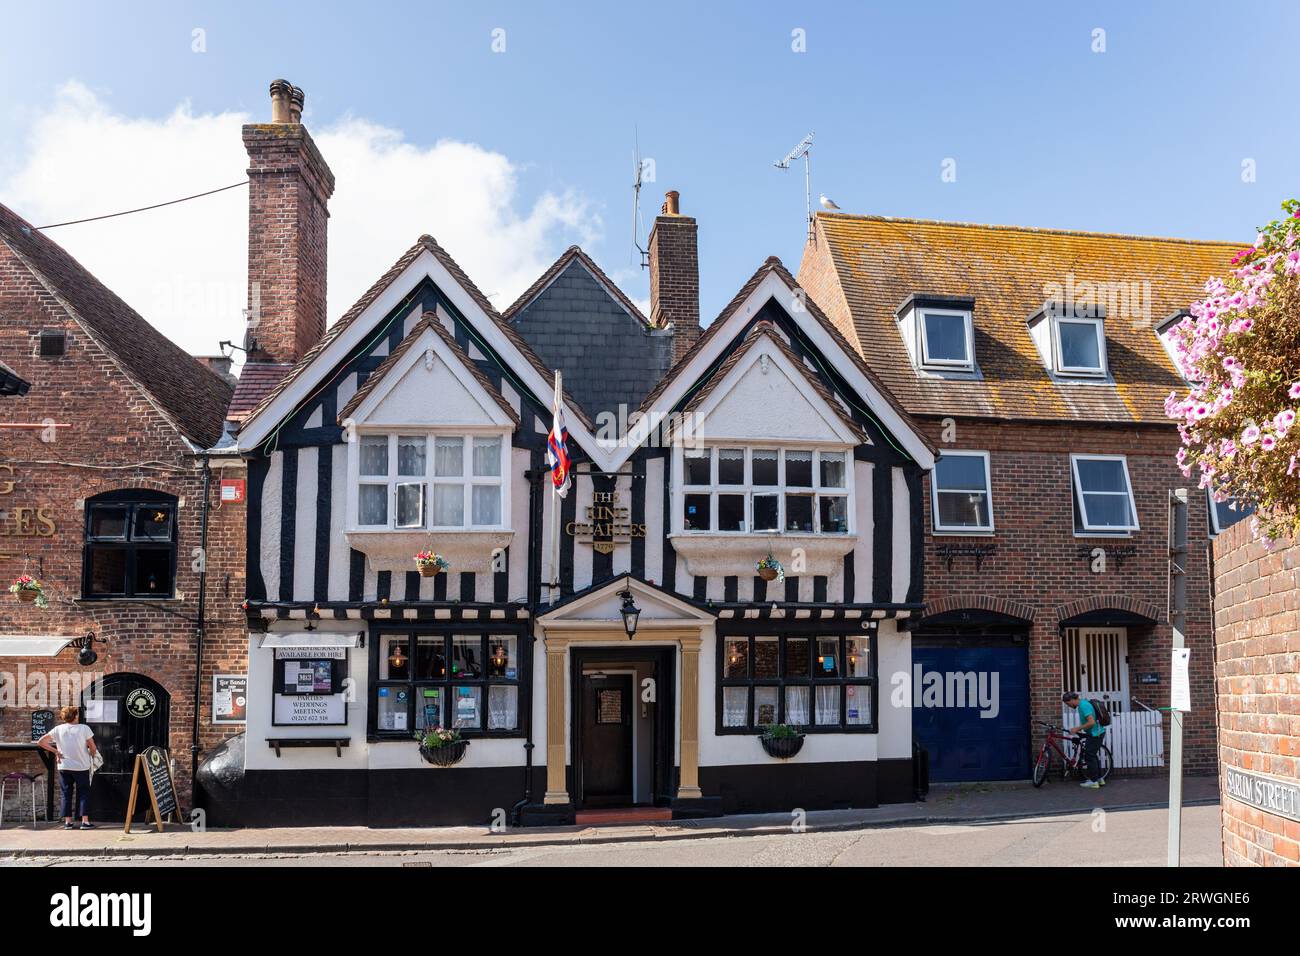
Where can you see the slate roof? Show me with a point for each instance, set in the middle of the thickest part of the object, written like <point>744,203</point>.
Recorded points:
<point>256,380</point>
<point>579,322</point>
<point>427,321</point>
<point>187,392</point>
<point>876,263</point>
<point>424,243</point>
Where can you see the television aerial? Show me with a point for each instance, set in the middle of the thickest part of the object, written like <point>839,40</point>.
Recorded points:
<point>802,151</point>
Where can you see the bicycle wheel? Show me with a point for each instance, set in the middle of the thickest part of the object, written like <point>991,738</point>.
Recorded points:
<point>1104,759</point>
<point>1042,766</point>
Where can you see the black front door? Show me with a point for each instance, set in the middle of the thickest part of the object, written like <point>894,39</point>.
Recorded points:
<point>127,713</point>
<point>607,740</point>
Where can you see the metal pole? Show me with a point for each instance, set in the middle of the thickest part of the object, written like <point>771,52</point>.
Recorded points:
<point>1178,620</point>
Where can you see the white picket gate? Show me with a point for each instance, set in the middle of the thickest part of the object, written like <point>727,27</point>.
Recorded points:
<point>1135,738</point>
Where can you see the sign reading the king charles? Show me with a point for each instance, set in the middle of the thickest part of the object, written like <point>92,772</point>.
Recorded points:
<point>607,523</point>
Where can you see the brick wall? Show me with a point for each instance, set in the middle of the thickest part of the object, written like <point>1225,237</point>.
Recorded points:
<point>117,440</point>
<point>675,280</point>
<point>1038,566</point>
<point>1257,671</point>
<point>289,187</point>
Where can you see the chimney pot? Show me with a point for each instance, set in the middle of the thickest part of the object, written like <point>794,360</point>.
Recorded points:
<point>280,90</point>
<point>671,206</point>
<point>296,99</point>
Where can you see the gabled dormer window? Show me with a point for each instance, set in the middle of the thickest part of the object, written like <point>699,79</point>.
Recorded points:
<point>1071,339</point>
<point>939,333</point>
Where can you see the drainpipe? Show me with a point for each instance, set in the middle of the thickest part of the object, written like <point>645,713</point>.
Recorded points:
<point>199,630</point>
<point>534,476</point>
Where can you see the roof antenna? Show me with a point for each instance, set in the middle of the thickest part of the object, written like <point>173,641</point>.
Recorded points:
<point>636,198</point>
<point>802,151</point>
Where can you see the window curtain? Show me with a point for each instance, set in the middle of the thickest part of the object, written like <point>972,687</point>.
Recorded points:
<point>735,703</point>
<point>796,706</point>
<point>503,708</point>
<point>828,705</point>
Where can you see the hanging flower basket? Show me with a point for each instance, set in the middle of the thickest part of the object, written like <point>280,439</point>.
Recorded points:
<point>770,569</point>
<point>431,564</point>
<point>781,741</point>
<point>29,590</point>
<point>442,747</point>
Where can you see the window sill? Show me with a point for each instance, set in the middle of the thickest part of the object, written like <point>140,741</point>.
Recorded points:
<point>971,533</point>
<point>393,550</point>
<point>721,554</point>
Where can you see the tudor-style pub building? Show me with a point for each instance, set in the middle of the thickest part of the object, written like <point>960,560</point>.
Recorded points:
<point>419,421</point>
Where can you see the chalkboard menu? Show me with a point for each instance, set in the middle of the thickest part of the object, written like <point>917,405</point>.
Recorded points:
<point>42,723</point>
<point>160,780</point>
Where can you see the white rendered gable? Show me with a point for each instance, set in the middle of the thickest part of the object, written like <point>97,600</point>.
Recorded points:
<point>765,398</point>
<point>430,386</point>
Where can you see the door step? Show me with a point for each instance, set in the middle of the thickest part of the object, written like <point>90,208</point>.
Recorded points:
<point>622,815</point>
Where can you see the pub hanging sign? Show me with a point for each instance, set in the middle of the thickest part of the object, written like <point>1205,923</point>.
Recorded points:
<point>608,523</point>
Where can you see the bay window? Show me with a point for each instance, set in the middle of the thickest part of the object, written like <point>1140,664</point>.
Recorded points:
<point>430,481</point>
<point>814,681</point>
<point>741,489</point>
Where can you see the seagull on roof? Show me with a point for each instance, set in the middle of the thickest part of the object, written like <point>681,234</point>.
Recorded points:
<point>827,202</point>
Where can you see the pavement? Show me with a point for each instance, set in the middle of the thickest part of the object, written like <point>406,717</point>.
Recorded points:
<point>946,804</point>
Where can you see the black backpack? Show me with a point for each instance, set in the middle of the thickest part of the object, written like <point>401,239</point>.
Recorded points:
<point>1100,711</point>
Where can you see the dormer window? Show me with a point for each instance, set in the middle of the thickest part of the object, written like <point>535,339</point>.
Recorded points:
<point>1080,346</point>
<point>946,339</point>
<point>1071,338</point>
<point>939,334</point>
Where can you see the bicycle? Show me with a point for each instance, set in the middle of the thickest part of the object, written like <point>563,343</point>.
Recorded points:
<point>1071,762</point>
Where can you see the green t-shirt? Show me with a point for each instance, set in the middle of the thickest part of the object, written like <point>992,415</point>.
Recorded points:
<point>1086,710</point>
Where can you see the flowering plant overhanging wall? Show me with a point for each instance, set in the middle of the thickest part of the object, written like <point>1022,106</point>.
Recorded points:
<point>1239,350</point>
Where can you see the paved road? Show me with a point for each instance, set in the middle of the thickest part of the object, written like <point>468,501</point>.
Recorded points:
<point>1116,838</point>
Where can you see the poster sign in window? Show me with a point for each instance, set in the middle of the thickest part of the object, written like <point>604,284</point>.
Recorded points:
<point>308,686</point>
<point>230,699</point>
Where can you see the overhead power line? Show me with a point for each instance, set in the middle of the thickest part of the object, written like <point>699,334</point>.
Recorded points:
<point>128,212</point>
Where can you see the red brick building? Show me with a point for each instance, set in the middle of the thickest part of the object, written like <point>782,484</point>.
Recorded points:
<point>1257,671</point>
<point>102,499</point>
<point>1033,359</point>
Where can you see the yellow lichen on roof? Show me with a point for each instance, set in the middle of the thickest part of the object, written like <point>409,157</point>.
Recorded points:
<point>1010,272</point>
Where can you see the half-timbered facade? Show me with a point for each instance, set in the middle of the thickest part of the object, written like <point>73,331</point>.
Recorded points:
<point>419,422</point>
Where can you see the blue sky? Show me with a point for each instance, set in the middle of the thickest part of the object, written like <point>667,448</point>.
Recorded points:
<point>1148,137</point>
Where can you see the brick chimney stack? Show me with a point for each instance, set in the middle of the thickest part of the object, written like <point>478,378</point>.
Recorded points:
<point>675,275</point>
<point>288,220</point>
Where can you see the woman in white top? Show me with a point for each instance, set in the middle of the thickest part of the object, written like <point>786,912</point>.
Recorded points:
<point>73,743</point>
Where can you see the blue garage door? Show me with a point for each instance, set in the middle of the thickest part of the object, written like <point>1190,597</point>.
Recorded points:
<point>971,711</point>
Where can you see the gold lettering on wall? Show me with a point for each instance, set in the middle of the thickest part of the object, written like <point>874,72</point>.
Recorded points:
<point>606,521</point>
<point>25,521</point>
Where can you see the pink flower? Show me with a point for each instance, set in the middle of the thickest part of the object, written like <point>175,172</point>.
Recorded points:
<point>1283,420</point>
<point>1250,435</point>
<point>1295,390</point>
<point>1267,442</point>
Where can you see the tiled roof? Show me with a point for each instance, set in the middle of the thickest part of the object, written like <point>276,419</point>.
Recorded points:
<point>765,330</point>
<point>427,321</point>
<point>430,244</point>
<point>256,380</point>
<point>774,265</point>
<point>1008,271</point>
<point>187,392</point>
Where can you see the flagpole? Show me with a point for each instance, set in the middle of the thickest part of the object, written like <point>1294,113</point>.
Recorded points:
<point>555,511</point>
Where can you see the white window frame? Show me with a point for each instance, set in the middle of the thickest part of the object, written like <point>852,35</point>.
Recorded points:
<point>1099,330</point>
<point>392,480</point>
<point>748,489</point>
<point>924,336</point>
<point>935,491</point>
<point>1083,508</point>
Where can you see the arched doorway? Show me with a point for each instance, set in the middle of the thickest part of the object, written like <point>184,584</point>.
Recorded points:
<point>127,713</point>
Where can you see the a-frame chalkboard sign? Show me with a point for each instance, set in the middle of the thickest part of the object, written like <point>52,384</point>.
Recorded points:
<point>152,764</point>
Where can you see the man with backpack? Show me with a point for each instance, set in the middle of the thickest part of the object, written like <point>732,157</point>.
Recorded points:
<point>1093,728</point>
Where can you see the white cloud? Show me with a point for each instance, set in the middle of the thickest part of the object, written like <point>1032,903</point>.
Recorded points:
<point>184,267</point>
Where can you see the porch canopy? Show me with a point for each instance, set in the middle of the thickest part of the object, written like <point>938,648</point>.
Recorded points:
<point>33,645</point>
